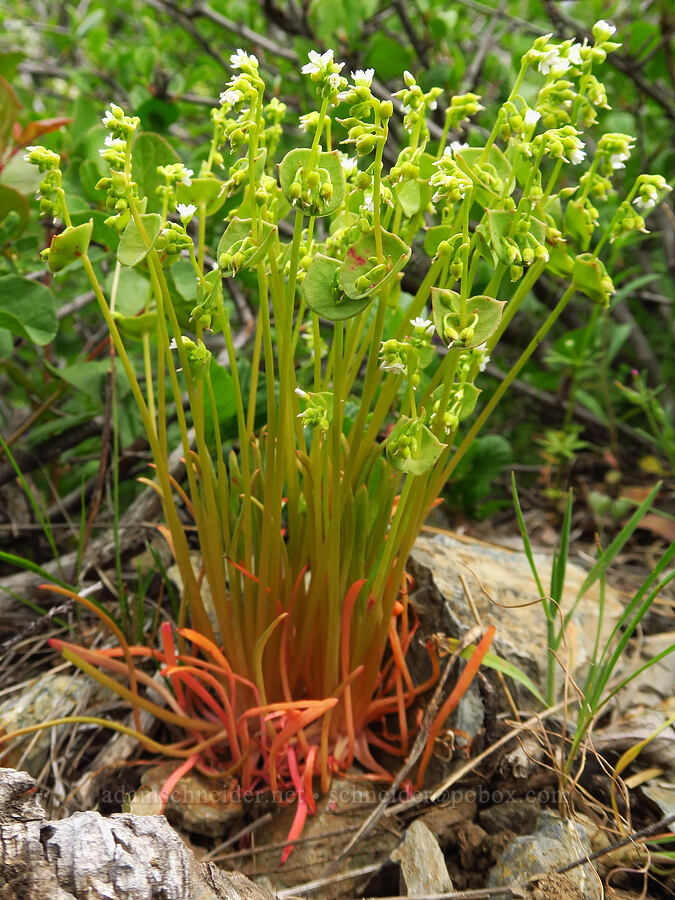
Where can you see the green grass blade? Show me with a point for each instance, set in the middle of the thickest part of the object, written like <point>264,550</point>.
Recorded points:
<point>526,542</point>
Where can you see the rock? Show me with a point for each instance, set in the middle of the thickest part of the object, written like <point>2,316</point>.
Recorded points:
<point>506,576</point>
<point>423,869</point>
<point>48,697</point>
<point>519,816</point>
<point>554,843</point>
<point>197,804</point>
<point>441,819</point>
<point>89,857</point>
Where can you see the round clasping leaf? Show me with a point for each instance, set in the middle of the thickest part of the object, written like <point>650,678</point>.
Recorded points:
<point>69,245</point>
<point>330,162</point>
<point>324,295</point>
<point>427,454</point>
<point>358,263</point>
<point>487,309</point>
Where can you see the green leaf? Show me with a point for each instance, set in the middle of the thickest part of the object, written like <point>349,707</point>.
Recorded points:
<point>324,294</point>
<point>469,399</point>
<point>6,344</point>
<point>88,376</point>
<point>69,245</point>
<point>203,190</point>
<point>435,235</point>
<point>12,201</point>
<point>578,224</point>
<point>27,309</point>
<point>430,448</point>
<point>9,111</point>
<point>358,263</point>
<point>409,195</point>
<point>134,327</point>
<point>590,277</point>
<point>446,306</point>
<point>238,231</point>
<point>495,158</point>
<point>330,163</point>
<point>9,62</point>
<point>150,150</point>
<point>133,247</point>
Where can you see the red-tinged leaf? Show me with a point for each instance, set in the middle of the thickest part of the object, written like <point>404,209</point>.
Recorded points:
<point>301,810</point>
<point>460,688</point>
<point>36,129</point>
<point>175,777</point>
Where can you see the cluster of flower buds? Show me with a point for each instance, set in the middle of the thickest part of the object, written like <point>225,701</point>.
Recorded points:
<point>626,220</point>
<point>395,356</point>
<point>173,174</point>
<point>173,238</point>
<point>232,118</point>
<point>49,189</point>
<point>311,190</point>
<point>237,256</point>
<point>562,143</point>
<point>449,182</point>
<point>407,167</point>
<point>554,101</point>
<point>518,125</point>
<point>119,186</point>
<point>595,186</point>
<point>462,107</point>
<point>198,356</point>
<point>416,104</point>
<point>614,149</point>
<point>318,413</point>
<point>649,187</point>
<point>454,334</point>
<point>362,132</point>
<point>407,444</point>
<point>325,73</point>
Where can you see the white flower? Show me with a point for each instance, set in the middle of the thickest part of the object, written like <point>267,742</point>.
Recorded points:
<point>186,176</point>
<point>616,160</point>
<point>186,211</point>
<point>240,59</point>
<point>301,393</point>
<point>553,60</point>
<point>368,202</point>
<point>108,118</point>
<point>645,202</point>
<point>531,117</point>
<point>334,80</point>
<point>397,367</point>
<point>602,31</point>
<point>317,62</point>
<point>115,143</point>
<point>454,147</point>
<point>231,96</point>
<point>173,345</point>
<point>424,325</point>
<point>574,54</point>
<point>348,164</point>
<point>577,156</point>
<point>363,77</point>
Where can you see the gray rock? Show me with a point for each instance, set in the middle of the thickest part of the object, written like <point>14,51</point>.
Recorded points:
<point>513,815</point>
<point>506,576</point>
<point>89,857</point>
<point>48,697</point>
<point>555,843</point>
<point>423,869</point>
